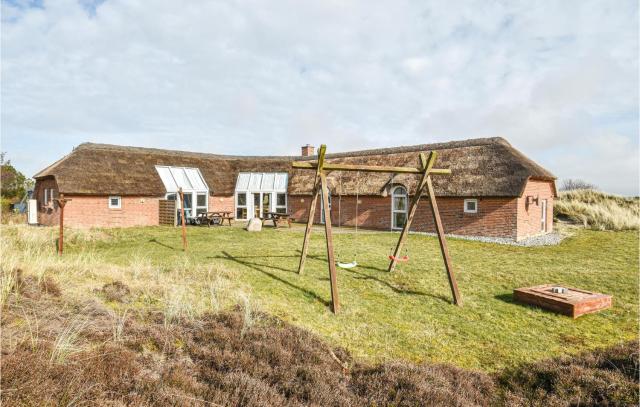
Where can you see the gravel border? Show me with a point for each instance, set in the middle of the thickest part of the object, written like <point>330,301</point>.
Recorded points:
<point>548,239</point>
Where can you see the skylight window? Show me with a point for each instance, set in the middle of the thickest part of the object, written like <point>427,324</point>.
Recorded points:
<point>262,181</point>
<point>174,178</point>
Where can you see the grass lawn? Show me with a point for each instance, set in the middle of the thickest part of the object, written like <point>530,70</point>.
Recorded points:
<point>406,314</point>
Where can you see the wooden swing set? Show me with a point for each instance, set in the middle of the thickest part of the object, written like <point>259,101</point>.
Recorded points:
<point>320,186</point>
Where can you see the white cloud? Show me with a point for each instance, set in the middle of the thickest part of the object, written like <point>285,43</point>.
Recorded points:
<point>554,78</point>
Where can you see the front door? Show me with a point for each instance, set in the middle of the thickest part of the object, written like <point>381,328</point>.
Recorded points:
<point>543,216</point>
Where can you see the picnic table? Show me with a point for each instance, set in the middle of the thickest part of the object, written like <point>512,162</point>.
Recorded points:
<point>278,218</point>
<point>214,218</point>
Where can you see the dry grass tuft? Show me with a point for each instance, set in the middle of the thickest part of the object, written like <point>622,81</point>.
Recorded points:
<point>598,210</point>
<point>116,291</point>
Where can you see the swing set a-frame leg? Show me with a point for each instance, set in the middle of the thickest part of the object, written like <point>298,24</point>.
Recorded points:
<point>307,232</point>
<point>427,164</point>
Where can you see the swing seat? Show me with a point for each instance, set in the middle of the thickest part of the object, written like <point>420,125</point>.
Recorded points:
<point>347,265</point>
<point>399,259</point>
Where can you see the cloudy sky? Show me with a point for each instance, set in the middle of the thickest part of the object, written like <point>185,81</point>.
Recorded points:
<point>558,79</point>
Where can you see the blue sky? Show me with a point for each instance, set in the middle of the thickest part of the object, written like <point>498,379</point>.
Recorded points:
<point>558,79</point>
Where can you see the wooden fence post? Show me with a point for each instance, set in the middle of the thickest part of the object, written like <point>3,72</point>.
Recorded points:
<point>184,221</point>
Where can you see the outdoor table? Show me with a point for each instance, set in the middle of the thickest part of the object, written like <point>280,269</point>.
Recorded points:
<point>278,218</point>
<point>215,218</point>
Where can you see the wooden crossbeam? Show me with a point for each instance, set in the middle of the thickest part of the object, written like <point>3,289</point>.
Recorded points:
<point>366,168</point>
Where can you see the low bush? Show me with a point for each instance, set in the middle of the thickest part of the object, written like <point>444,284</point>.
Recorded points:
<point>209,361</point>
<point>598,210</point>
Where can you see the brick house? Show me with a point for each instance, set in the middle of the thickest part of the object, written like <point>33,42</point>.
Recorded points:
<point>494,190</point>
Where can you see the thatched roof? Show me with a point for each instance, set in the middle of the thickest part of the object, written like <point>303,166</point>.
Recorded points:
<point>480,167</point>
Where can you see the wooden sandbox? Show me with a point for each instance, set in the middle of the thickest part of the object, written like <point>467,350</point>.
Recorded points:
<point>572,302</point>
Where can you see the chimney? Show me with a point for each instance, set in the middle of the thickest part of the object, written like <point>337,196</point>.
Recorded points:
<point>308,150</point>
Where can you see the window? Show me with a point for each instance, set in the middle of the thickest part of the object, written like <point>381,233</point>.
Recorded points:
<point>46,197</point>
<point>398,207</point>
<point>115,202</point>
<point>281,203</point>
<point>470,206</point>
<point>201,203</point>
<point>241,205</point>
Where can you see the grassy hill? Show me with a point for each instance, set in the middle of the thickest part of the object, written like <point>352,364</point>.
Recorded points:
<point>598,210</point>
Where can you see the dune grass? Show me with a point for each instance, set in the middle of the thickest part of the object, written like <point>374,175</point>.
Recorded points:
<point>598,210</point>
<point>403,315</point>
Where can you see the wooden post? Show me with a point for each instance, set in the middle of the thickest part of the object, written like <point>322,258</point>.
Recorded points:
<point>427,164</point>
<point>184,221</point>
<point>307,232</point>
<point>443,244</point>
<point>61,202</point>
<point>335,302</point>
<point>312,209</point>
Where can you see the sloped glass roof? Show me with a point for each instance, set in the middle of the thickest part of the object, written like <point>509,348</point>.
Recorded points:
<point>262,181</point>
<point>174,178</point>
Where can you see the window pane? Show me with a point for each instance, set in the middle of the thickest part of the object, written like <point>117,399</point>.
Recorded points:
<point>202,200</point>
<point>242,199</point>
<point>172,197</point>
<point>400,219</point>
<point>281,209</point>
<point>188,201</point>
<point>400,203</point>
<point>114,201</point>
<point>241,213</point>
<point>282,200</point>
<point>201,210</point>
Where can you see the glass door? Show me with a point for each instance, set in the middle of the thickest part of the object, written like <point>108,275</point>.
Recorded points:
<point>256,204</point>
<point>266,204</point>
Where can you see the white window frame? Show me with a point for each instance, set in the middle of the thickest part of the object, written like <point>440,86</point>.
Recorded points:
<point>467,210</point>
<point>119,205</point>
<point>394,194</point>
<point>255,184</point>
<point>275,202</point>
<point>245,206</point>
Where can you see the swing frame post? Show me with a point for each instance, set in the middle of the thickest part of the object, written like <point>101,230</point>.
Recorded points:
<point>320,185</point>
<point>427,165</point>
<point>457,300</point>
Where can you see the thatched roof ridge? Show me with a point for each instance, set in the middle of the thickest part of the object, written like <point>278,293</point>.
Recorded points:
<point>480,167</point>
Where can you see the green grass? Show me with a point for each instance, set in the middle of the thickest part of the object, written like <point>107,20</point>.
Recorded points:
<point>408,314</point>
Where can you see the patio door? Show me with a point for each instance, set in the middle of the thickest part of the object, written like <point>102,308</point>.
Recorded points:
<point>261,204</point>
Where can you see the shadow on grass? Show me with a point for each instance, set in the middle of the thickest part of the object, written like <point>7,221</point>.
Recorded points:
<point>163,244</point>
<point>259,267</point>
<point>397,290</point>
<point>508,298</point>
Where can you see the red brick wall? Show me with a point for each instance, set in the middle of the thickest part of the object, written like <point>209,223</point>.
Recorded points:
<point>530,215</point>
<point>94,211</point>
<point>496,216</point>
<point>221,203</point>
